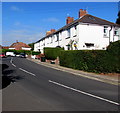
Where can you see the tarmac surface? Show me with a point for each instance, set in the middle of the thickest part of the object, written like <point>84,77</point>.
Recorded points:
<point>31,85</point>
<point>107,78</point>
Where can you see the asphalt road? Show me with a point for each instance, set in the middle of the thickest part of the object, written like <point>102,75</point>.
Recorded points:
<point>28,86</point>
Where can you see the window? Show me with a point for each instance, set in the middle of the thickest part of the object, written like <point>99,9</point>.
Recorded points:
<point>88,45</point>
<point>75,31</point>
<point>47,40</point>
<point>105,30</point>
<point>60,36</point>
<point>116,32</point>
<point>57,36</point>
<point>68,33</point>
<point>51,40</point>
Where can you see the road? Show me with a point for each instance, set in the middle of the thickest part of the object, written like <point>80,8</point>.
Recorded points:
<point>28,86</point>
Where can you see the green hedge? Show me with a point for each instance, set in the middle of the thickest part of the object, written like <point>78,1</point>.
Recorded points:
<point>52,53</point>
<point>99,61</point>
<point>17,51</point>
<point>35,53</point>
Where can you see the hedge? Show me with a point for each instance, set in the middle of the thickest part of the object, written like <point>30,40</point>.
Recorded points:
<point>52,53</point>
<point>35,53</point>
<point>99,61</point>
<point>20,51</point>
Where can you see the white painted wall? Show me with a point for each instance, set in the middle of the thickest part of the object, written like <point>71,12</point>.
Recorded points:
<point>24,48</point>
<point>11,48</point>
<point>81,34</point>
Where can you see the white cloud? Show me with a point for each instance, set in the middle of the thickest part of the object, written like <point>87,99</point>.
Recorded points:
<point>14,8</point>
<point>52,19</point>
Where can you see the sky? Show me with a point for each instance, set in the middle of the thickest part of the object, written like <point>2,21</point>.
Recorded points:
<point>28,21</point>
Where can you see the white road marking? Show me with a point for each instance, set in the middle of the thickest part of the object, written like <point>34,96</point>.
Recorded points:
<point>85,93</point>
<point>27,72</point>
<point>11,61</point>
<point>13,65</point>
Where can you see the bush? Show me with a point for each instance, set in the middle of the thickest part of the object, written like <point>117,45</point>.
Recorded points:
<point>99,61</point>
<point>114,48</point>
<point>52,53</point>
<point>16,51</point>
<point>35,53</point>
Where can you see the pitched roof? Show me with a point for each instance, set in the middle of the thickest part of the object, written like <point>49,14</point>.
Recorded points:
<point>95,20</point>
<point>89,19</point>
<point>19,45</point>
<point>5,47</point>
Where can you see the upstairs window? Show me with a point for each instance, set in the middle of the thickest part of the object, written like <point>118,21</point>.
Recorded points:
<point>68,33</point>
<point>51,39</point>
<point>75,31</point>
<point>60,36</point>
<point>105,31</point>
<point>47,40</point>
<point>57,36</point>
<point>116,32</point>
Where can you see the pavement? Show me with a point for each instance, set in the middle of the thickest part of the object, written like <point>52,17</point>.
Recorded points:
<point>107,78</point>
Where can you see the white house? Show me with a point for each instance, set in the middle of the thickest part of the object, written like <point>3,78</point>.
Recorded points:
<point>86,33</point>
<point>20,46</point>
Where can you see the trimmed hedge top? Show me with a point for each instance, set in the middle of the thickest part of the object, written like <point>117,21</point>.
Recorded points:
<point>99,61</point>
<point>52,53</point>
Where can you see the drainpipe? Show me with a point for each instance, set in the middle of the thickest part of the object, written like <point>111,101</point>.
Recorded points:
<point>109,34</point>
<point>113,33</point>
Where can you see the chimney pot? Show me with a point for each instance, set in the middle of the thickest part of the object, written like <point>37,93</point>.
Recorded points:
<point>82,12</point>
<point>51,31</point>
<point>69,19</point>
<point>48,32</point>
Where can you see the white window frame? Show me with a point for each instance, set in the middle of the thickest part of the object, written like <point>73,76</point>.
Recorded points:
<point>116,32</point>
<point>75,31</point>
<point>68,33</point>
<point>105,31</point>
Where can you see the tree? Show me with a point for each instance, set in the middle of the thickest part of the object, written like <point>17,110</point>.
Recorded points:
<point>31,45</point>
<point>118,19</point>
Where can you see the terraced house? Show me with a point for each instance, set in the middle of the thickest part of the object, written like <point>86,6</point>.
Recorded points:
<point>86,33</point>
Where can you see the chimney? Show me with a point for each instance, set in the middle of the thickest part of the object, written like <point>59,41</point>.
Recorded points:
<point>52,30</point>
<point>82,12</point>
<point>48,32</point>
<point>69,20</point>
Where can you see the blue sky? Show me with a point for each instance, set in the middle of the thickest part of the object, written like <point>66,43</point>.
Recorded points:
<point>28,21</point>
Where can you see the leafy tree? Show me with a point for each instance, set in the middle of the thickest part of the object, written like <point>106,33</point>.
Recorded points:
<point>118,19</point>
<point>32,46</point>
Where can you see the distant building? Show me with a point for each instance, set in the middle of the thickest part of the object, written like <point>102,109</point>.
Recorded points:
<point>86,33</point>
<point>20,46</point>
<point>5,47</point>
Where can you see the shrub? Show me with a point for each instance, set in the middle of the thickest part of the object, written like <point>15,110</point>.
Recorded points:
<point>17,51</point>
<point>114,48</point>
<point>99,61</point>
<point>52,53</point>
<point>35,53</point>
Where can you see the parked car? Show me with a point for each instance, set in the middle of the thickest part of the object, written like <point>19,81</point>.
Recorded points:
<point>2,55</point>
<point>22,55</point>
<point>10,54</point>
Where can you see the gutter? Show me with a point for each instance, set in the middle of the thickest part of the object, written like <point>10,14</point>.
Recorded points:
<point>109,34</point>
